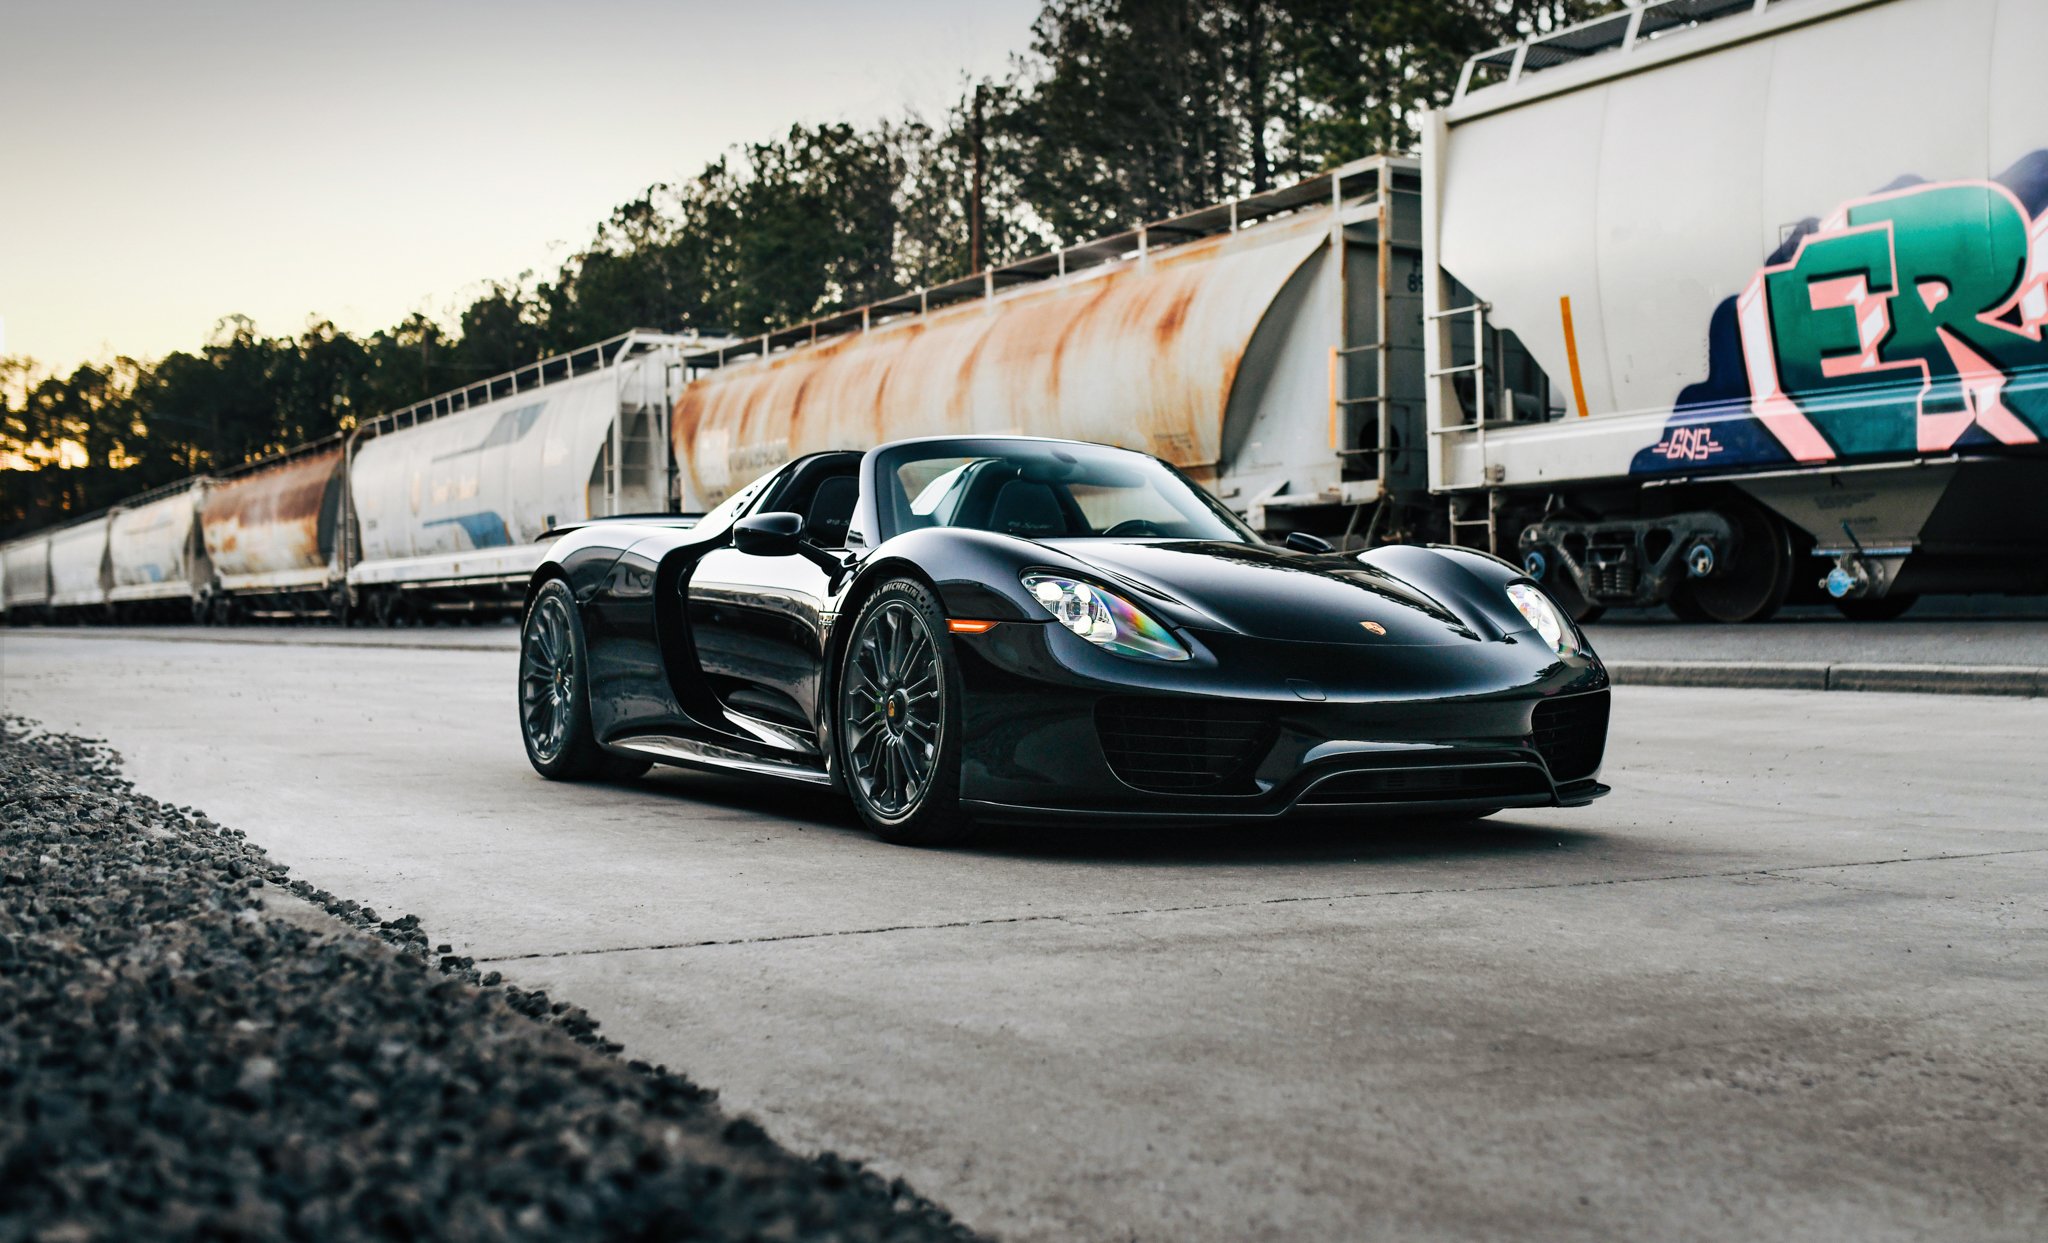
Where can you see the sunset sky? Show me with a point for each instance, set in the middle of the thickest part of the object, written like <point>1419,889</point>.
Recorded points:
<point>168,164</point>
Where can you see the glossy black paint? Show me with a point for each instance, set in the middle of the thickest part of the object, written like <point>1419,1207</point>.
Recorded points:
<point>719,651</point>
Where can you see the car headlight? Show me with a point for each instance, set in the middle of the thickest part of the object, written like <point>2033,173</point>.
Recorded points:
<point>1546,617</point>
<point>1108,621</point>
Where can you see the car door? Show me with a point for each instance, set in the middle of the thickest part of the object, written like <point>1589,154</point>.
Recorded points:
<point>629,688</point>
<point>758,622</point>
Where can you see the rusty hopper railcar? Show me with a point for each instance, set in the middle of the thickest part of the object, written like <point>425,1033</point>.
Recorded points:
<point>271,536</point>
<point>1243,343</point>
<point>450,498</point>
<point>1797,310</point>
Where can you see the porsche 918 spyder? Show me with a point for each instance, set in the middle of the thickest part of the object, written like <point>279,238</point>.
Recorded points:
<point>1016,629</point>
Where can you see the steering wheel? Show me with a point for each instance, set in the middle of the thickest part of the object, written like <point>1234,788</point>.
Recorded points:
<point>1135,526</point>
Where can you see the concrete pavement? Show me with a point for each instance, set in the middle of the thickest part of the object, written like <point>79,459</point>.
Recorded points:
<point>1784,983</point>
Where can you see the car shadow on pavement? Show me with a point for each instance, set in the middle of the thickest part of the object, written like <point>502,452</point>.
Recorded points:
<point>809,806</point>
<point>1378,838</point>
<point>1388,839</point>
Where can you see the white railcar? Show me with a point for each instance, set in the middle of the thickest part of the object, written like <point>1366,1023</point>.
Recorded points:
<point>449,499</point>
<point>26,566</point>
<point>79,572</point>
<point>156,552</point>
<point>1785,269</point>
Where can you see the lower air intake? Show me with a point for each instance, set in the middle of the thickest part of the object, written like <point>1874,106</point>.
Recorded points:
<point>1183,746</point>
<point>1571,735</point>
<point>1434,783</point>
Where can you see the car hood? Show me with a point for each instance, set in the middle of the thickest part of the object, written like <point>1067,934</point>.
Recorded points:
<point>1276,593</point>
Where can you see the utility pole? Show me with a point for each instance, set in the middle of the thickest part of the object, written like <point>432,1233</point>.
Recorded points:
<point>977,254</point>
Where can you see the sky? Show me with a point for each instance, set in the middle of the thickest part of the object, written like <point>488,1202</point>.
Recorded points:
<point>163,164</point>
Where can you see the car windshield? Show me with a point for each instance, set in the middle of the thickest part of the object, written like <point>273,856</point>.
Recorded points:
<point>1047,490</point>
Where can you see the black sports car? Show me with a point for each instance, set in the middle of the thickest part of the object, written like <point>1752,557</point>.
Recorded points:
<point>1012,628</point>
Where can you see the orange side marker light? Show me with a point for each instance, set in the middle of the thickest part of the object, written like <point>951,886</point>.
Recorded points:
<point>960,626</point>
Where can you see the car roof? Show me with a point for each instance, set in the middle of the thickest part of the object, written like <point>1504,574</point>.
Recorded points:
<point>958,436</point>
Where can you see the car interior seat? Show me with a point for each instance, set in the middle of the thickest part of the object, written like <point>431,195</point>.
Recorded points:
<point>1028,508</point>
<point>831,511</point>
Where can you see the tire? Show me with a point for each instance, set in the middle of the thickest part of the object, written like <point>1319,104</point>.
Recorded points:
<point>554,690</point>
<point>1883,608</point>
<point>896,718</point>
<point>1755,583</point>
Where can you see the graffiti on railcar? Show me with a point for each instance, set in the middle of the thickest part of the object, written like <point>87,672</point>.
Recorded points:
<point>1908,321</point>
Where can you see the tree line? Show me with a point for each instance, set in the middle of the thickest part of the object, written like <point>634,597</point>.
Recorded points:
<point>1120,111</point>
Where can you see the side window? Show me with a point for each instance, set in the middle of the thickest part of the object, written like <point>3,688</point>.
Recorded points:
<point>934,486</point>
<point>732,506</point>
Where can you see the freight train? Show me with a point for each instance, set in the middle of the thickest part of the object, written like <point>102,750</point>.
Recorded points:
<point>435,510</point>
<point>1677,307</point>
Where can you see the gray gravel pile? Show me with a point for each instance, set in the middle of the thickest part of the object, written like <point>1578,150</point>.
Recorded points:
<point>177,1062</point>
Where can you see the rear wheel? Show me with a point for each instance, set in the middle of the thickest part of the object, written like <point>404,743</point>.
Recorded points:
<point>897,718</point>
<point>554,693</point>
<point>1754,582</point>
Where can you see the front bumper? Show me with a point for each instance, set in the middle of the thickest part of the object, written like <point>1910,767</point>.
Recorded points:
<point>1056,727</point>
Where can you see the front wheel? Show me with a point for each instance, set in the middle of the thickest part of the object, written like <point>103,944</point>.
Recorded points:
<point>898,719</point>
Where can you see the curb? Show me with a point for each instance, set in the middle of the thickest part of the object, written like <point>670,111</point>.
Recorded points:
<point>228,637</point>
<point>2019,680</point>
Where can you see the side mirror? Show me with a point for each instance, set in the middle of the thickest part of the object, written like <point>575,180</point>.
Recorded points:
<point>769,535</point>
<point>1302,541</point>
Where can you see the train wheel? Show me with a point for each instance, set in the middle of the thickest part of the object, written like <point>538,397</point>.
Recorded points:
<point>1557,580</point>
<point>1883,608</point>
<point>1755,582</point>
<point>1681,603</point>
<point>1569,598</point>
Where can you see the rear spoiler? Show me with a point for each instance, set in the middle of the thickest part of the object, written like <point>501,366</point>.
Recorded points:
<point>678,522</point>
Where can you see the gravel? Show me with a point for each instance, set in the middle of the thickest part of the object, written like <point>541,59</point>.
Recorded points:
<point>188,1052</point>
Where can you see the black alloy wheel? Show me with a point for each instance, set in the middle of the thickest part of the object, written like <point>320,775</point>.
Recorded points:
<point>898,718</point>
<point>554,695</point>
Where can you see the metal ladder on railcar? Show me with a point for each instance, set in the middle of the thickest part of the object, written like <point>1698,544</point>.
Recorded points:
<point>1457,510</point>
